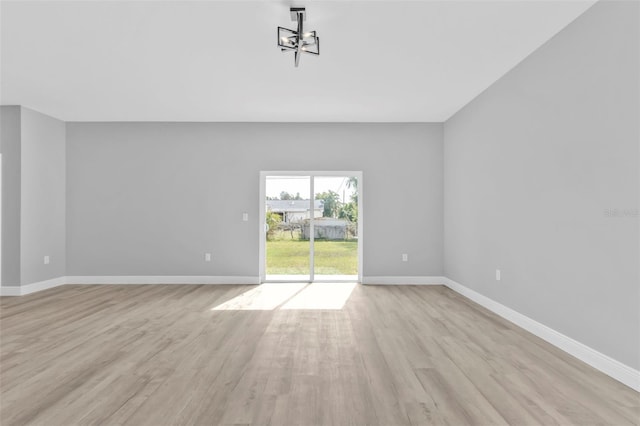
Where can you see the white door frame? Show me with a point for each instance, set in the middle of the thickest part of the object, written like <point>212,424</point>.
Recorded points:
<point>0,219</point>
<point>312,175</point>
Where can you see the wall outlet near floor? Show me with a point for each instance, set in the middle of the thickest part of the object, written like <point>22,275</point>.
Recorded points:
<point>245,217</point>
<point>498,275</point>
<point>405,257</point>
<point>207,257</point>
<point>47,260</point>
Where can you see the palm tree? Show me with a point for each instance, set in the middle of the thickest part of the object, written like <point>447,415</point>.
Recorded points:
<point>352,182</point>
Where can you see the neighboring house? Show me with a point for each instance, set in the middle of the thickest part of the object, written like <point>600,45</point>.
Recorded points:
<point>295,210</point>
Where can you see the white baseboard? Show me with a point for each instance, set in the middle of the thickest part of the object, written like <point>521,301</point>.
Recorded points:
<point>143,279</point>
<point>609,366</point>
<point>13,290</point>
<point>32,288</point>
<point>404,280</point>
<point>133,279</point>
<point>191,279</point>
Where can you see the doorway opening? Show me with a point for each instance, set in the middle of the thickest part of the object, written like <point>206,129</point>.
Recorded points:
<point>311,226</point>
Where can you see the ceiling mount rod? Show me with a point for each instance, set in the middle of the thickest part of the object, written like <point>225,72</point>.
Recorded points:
<point>299,17</point>
<point>297,11</point>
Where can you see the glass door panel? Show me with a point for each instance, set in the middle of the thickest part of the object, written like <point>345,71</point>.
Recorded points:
<point>288,211</point>
<point>335,228</point>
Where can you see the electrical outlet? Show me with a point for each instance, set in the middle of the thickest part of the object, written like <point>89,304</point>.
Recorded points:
<point>207,257</point>
<point>245,217</point>
<point>405,257</point>
<point>498,275</point>
<point>47,260</point>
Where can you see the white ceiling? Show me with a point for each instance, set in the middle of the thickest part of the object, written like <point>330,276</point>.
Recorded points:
<point>391,61</point>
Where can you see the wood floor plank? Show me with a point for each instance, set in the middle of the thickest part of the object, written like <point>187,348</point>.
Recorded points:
<point>203,355</point>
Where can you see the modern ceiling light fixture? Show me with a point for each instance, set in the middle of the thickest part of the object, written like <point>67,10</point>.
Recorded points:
<point>298,41</point>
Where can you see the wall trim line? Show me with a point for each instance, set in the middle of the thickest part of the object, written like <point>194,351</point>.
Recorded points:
<point>10,290</point>
<point>125,279</point>
<point>163,279</point>
<point>33,287</point>
<point>399,280</point>
<point>605,364</point>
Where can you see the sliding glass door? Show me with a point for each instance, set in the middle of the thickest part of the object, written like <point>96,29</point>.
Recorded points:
<point>311,226</point>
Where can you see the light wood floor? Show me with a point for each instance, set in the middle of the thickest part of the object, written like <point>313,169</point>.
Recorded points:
<point>162,355</point>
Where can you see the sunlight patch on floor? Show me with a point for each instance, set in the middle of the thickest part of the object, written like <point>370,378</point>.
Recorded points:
<point>321,296</point>
<point>289,296</point>
<point>264,297</point>
<point>278,279</point>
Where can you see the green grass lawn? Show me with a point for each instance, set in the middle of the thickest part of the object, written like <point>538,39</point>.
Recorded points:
<point>291,257</point>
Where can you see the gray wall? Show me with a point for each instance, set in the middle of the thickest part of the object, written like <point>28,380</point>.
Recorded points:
<point>10,149</point>
<point>533,170</point>
<point>43,218</point>
<point>152,198</point>
<point>33,196</point>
